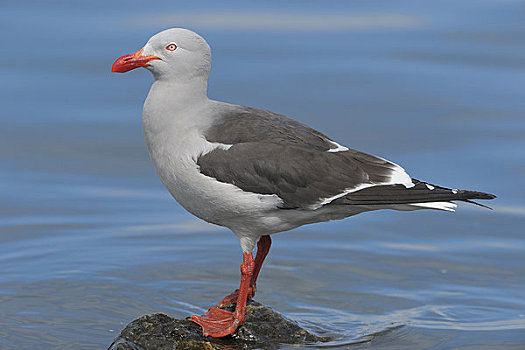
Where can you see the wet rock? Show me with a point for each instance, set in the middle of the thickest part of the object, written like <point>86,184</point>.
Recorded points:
<point>264,328</point>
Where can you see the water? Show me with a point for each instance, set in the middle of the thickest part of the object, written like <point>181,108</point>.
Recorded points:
<point>90,239</point>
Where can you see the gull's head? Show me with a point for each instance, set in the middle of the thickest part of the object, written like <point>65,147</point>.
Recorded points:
<point>174,54</point>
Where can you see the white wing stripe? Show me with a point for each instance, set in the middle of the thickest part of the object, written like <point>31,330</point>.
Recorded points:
<point>398,176</point>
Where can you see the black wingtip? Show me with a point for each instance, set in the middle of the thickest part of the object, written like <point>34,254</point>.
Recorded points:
<point>482,195</point>
<point>466,194</point>
<point>479,204</point>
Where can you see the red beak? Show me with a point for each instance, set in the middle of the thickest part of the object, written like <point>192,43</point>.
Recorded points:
<point>133,60</point>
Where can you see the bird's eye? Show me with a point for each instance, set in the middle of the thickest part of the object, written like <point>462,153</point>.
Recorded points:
<point>171,47</point>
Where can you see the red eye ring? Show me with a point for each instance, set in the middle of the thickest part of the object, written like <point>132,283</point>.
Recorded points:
<point>171,47</point>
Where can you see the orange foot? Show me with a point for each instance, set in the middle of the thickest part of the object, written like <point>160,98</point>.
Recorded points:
<point>217,322</point>
<point>232,298</point>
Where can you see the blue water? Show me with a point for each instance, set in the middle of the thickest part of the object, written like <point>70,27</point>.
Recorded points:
<point>90,239</point>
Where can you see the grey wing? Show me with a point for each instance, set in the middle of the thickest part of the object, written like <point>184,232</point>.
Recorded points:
<point>273,154</point>
<point>301,177</point>
<point>240,124</point>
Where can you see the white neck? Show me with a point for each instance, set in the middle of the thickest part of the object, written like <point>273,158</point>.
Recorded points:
<point>172,103</point>
<point>180,94</point>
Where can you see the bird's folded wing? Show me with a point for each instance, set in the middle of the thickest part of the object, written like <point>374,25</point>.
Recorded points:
<point>421,192</point>
<point>301,177</point>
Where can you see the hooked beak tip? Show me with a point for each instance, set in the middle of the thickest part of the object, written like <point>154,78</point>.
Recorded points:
<point>131,61</point>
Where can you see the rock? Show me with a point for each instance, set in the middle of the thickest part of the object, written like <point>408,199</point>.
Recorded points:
<point>264,328</point>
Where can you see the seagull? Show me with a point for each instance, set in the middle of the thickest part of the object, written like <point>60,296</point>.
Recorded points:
<point>254,171</point>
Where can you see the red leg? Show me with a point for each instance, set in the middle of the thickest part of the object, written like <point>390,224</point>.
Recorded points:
<point>263,247</point>
<point>218,322</point>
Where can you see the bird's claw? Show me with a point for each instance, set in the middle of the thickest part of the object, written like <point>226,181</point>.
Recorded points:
<point>217,322</point>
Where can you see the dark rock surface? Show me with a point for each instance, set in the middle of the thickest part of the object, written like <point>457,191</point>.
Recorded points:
<point>263,329</point>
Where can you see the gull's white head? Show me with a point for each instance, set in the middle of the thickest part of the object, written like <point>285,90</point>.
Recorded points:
<point>175,54</point>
